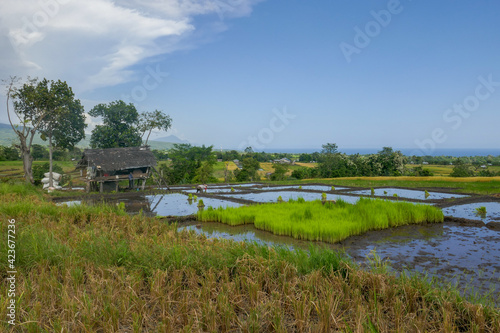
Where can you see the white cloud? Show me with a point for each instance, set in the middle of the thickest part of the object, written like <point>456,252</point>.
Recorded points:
<point>96,43</point>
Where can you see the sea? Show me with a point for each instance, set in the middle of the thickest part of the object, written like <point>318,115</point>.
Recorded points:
<point>455,152</point>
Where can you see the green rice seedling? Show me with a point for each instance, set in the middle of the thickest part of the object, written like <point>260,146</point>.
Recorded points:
<point>280,199</point>
<point>385,192</point>
<point>121,206</point>
<point>323,196</point>
<point>333,188</point>
<point>335,222</point>
<point>481,210</point>
<point>200,203</point>
<point>232,189</point>
<point>427,194</point>
<point>395,195</point>
<point>190,196</point>
<point>300,187</point>
<point>300,200</point>
<point>195,197</point>
<point>372,191</point>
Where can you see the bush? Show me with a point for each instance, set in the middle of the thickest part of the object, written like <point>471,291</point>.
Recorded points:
<point>40,169</point>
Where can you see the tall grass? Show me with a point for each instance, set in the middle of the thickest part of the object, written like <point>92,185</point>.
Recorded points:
<point>18,188</point>
<point>88,269</point>
<point>327,222</point>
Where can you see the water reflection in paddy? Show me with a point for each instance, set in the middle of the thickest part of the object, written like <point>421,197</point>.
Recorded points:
<point>324,188</point>
<point>162,204</point>
<point>286,195</point>
<point>410,194</point>
<point>468,211</point>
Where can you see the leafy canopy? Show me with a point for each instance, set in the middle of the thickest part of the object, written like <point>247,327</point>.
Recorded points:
<point>119,128</point>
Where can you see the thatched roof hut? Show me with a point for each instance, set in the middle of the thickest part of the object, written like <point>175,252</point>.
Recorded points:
<point>107,167</point>
<point>117,159</point>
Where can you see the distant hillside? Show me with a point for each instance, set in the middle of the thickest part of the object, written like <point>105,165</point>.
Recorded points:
<point>8,137</point>
<point>171,139</point>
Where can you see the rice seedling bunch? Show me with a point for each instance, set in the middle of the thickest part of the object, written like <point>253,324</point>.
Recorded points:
<point>330,222</point>
<point>481,210</point>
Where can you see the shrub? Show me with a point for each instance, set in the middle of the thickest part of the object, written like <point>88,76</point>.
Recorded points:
<point>40,169</point>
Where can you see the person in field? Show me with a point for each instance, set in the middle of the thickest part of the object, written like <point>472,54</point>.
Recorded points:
<point>200,188</point>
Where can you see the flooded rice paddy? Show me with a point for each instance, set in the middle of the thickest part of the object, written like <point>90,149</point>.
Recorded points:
<point>262,197</point>
<point>174,204</point>
<point>466,255</point>
<point>410,194</point>
<point>323,188</point>
<point>468,211</point>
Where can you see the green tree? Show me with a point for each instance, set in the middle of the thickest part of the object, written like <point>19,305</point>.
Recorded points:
<point>30,109</point>
<point>329,149</point>
<point>462,168</point>
<point>248,171</point>
<point>148,121</point>
<point>39,152</point>
<point>9,153</point>
<point>280,171</point>
<point>119,128</point>
<point>64,122</point>
<point>205,171</point>
<point>186,160</point>
<point>393,162</point>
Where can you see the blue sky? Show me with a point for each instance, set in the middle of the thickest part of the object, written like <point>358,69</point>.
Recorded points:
<point>272,74</point>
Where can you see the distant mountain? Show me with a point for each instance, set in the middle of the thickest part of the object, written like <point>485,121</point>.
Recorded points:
<point>171,139</point>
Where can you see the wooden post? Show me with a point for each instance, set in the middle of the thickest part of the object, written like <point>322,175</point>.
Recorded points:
<point>101,186</point>
<point>116,186</point>
<point>87,189</point>
<point>143,184</point>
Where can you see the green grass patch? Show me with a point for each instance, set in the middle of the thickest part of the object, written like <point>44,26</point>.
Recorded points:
<point>327,222</point>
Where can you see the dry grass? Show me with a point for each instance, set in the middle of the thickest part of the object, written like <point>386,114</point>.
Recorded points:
<point>307,165</point>
<point>416,179</point>
<point>99,270</point>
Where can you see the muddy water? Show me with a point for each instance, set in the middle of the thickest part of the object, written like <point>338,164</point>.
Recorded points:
<point>410,194</point>
<point>467,256</point>
<point>468,211</point>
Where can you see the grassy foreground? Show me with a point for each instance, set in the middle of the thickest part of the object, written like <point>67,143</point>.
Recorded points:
<point>329,222</point>
<point>96,269</point>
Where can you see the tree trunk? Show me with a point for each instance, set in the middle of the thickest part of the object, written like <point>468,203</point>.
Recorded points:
<point>27,160</point>
<point>51,178</point>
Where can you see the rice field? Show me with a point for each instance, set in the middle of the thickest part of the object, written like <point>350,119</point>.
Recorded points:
<point>329,222</point>
<point>97,269</point>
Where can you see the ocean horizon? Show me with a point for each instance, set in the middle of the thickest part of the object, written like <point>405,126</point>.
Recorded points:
<point>454,152</point>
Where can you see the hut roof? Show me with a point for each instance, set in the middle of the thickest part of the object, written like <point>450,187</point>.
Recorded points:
<point>117,158</point>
